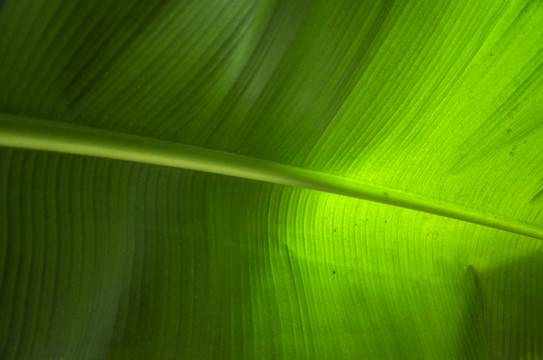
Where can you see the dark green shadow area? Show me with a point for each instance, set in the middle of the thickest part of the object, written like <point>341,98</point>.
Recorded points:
<point>512,308</point>
<point>505,310</point>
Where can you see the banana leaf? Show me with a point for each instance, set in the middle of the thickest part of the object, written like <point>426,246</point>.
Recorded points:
<point>271,179</point>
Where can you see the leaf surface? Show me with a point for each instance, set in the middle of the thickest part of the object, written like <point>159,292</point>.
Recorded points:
<point>108,259</point>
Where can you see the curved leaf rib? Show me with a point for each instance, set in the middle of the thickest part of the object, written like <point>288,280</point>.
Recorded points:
<point>40,134</point>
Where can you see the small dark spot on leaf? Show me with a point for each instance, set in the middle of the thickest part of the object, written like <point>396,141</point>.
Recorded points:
<point>333,271</point>
<point>355,224</point>
<point>335,230</point>
<point>509,130</point>
<point>386,221</point>
<point>511,153</point>
<point>386,194</point>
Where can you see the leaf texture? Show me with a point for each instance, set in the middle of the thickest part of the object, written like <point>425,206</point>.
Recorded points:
<point>105,259</point>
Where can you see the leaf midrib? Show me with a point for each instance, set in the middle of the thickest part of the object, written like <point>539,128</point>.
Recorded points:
<point>46,135</point>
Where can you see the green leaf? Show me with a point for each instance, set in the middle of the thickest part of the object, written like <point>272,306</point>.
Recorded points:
<point>122,238</point>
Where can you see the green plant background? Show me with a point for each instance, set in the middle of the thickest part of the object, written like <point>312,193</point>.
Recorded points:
<point>105,259</point>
